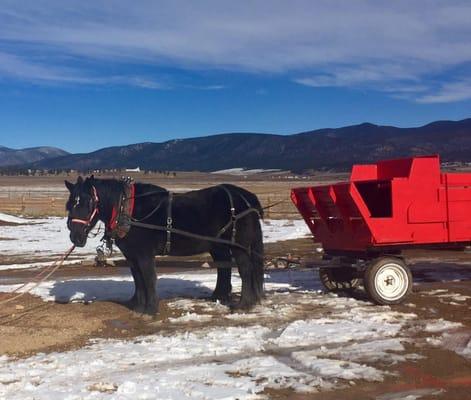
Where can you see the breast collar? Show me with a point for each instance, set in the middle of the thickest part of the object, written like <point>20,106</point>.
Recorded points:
<point>121,215</point>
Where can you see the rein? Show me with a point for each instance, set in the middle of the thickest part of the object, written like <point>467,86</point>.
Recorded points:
<point>40,277</point>
<point>195,236</point>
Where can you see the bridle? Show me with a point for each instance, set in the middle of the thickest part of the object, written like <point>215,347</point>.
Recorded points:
<point>88,222</point>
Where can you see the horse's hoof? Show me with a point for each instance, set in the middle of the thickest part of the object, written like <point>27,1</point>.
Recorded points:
<point>139,308</point>
<point>224,299</point>
<point>150,310</point>
<point>241,307</point>
<point>131,303</point>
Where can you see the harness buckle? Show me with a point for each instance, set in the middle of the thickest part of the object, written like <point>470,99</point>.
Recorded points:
<point>169,222</point>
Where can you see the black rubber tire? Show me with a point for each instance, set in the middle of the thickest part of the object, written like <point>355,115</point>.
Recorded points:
<point>376,286</point>
<point>339,279</point>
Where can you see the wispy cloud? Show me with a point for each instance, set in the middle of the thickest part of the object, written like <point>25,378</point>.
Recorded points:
<point>12,66</point>
<point>362,44</point>
<point>448,92</point>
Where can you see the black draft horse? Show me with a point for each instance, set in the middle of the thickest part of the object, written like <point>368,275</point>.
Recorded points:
<point>203,212</point>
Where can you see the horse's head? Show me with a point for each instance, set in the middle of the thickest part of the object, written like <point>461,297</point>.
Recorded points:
<point>82,207</point>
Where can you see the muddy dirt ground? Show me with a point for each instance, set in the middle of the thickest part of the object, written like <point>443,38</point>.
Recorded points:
<point>30,325</point>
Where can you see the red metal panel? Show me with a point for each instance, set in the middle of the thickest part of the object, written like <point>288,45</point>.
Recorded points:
<point>393,203</point>
<point>458,189</point>
<point>366,172</point>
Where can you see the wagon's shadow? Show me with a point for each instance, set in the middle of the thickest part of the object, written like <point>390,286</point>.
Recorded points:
<point>426,271</point>
<point>120,291</point>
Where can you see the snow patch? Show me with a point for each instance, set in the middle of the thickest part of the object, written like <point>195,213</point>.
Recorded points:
<point>13,220</point>
<point>328,330</point>
<point>243,171</point>
<point>410,394</point>
<point>328,368</point>
<point>276,230</point>
<point>441,325</point>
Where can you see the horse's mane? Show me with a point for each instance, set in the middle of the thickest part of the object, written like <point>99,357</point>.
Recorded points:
<point>113,188</point>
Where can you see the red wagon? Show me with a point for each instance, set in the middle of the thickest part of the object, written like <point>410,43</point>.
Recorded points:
<point>384,208</point>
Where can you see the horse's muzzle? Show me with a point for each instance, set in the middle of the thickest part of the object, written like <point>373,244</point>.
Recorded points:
<point>78,239</point>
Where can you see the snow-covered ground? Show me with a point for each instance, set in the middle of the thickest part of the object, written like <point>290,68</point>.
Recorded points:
<point>12,219</point>
<point>243,171</point>
<point>35,240</point>
<point>276,230</point>
<point>299,338</point>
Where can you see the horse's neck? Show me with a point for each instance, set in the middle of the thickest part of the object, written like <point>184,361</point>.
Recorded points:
<point>108,199</point>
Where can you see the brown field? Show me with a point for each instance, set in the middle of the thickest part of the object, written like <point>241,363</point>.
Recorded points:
<point>46,195</point>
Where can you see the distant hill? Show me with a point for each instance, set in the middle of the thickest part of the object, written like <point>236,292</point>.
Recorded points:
<point>13,157</point>
<point>324,148</point>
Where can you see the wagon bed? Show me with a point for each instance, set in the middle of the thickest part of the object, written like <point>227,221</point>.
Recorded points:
<point>387,207</point>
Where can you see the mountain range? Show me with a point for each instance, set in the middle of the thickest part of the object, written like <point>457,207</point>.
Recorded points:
<point>11,157</point>
<point>329,148</point>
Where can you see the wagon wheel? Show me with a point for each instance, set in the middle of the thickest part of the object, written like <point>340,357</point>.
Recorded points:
<point>342,278</point>
<point>388,280</point>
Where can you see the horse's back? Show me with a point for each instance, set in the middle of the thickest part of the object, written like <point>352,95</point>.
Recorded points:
<point>224,191</point>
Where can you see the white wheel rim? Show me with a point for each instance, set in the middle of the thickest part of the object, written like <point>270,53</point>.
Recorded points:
<point>391,281</point>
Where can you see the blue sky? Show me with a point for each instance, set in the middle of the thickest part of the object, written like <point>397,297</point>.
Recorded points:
<point>89,74</point>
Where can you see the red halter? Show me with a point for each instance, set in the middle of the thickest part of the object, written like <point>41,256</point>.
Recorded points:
<point>88,221</point>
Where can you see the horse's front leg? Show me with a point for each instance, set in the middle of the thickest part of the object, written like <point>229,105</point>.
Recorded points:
<point>146,267</point>
<point>138,300</point>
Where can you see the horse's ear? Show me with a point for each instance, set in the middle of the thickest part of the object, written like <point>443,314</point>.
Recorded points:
<point>92,177</point>
<point>80,180</point>
<point>69,186</point>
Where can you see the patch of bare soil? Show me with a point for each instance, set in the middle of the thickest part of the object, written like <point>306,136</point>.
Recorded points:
<point>4,223</point>
<point>29,325</point>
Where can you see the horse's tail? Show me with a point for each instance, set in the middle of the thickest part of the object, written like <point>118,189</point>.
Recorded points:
<point>257,259</point>
<point>255,203</point>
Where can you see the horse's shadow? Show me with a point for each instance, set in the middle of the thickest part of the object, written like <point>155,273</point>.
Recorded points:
<point>120,291</point>
<point>293,280</point>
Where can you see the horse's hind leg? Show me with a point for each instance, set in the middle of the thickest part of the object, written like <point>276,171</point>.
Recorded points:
<point>223,289</point>
<point>249,294</point>
<point>138,300</point>
<point>257,258</point>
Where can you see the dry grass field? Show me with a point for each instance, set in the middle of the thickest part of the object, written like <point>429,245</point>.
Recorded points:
<point>46,195</point>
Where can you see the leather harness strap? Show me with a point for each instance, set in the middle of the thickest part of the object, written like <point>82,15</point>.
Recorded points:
<point>168,244</point>
<point>122,220</point>
<point>235,217</point>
